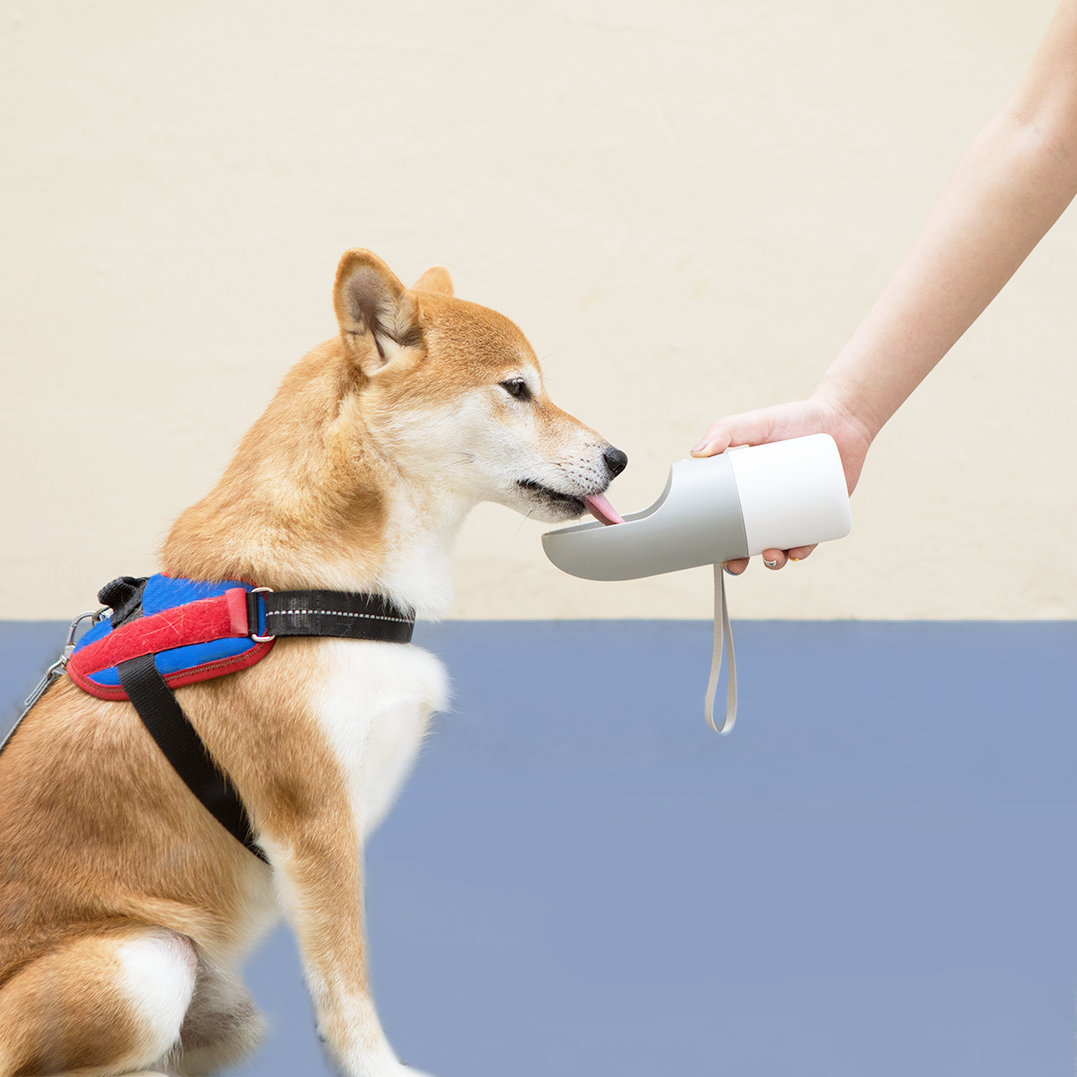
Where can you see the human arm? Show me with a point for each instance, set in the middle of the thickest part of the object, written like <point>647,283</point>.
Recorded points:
<point>1010,186</point>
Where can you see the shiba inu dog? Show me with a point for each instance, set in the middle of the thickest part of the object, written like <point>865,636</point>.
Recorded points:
<point>125,908</point>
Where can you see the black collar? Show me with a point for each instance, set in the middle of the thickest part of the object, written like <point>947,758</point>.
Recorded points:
<point>327,613</point>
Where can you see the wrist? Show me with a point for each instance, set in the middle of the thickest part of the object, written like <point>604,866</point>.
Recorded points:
<point>846,409</point>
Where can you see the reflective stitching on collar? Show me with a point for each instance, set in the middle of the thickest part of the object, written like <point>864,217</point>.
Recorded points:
<point>339,613</point>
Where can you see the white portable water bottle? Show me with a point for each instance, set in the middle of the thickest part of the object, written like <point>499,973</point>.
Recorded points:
<point>738,504</point>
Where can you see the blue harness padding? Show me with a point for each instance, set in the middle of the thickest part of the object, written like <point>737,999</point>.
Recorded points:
<point>186,663</point>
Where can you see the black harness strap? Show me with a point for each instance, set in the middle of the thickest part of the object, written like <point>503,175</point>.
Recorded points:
<point>162,715</point>
<point>269,614</point>
<point>328,613</point>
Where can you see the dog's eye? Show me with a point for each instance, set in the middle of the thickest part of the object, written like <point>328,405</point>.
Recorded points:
<point>516,387</point>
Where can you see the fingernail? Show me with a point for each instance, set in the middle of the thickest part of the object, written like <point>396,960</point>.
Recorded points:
<point>700,447</point>
<point>794,558</point>
<point>770,564</point>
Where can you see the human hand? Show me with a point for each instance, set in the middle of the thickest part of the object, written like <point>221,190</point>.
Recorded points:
<point>816,415</point>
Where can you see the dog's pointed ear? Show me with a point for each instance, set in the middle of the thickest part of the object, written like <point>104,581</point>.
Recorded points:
<point>436,279</point>
<point>378,316</point>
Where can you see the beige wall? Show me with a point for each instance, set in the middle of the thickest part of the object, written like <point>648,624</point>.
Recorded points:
<point>687,206</point>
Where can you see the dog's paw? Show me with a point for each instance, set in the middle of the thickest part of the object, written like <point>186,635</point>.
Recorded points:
<point>391,1069</point>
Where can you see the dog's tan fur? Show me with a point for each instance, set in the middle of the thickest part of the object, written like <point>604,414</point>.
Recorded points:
<point>124,907</point>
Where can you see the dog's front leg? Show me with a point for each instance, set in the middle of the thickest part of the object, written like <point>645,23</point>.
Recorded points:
<point>317,770</point>
<point>319,877</point>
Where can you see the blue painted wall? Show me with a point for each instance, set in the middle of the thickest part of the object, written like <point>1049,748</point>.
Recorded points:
<point>874,874</point>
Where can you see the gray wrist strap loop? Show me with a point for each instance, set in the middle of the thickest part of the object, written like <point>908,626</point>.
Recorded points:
<point>722,631</point>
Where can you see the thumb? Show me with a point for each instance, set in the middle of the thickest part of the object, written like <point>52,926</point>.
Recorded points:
<point>747,428</point>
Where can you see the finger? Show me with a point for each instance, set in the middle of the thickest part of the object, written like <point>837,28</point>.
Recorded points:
<point>736,567</point>
<point>774,559</point>
<point>716,440</point>
<point>800,552</point>
<point>747,428</point>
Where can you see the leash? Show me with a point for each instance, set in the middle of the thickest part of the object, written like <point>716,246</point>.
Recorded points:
<point>55,671</point>
<point>142,654</point>
<point>722,631</point>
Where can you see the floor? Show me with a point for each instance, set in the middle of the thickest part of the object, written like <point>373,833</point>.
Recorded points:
<point>873,874</point>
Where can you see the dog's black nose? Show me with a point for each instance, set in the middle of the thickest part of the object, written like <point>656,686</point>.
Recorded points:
<point>616,461</point>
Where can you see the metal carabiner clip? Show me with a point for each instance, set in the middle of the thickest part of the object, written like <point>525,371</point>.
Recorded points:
<point>57,668</point>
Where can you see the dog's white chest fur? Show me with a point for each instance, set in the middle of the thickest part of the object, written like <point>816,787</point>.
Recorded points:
<point>374,707</point>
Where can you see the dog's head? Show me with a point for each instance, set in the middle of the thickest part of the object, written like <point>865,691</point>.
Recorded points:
<point>455,393</point>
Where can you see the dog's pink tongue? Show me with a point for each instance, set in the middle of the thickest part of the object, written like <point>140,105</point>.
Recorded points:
<point>600,508</point>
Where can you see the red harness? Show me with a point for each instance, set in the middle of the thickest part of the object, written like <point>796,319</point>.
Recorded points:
<point>194,640</point>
